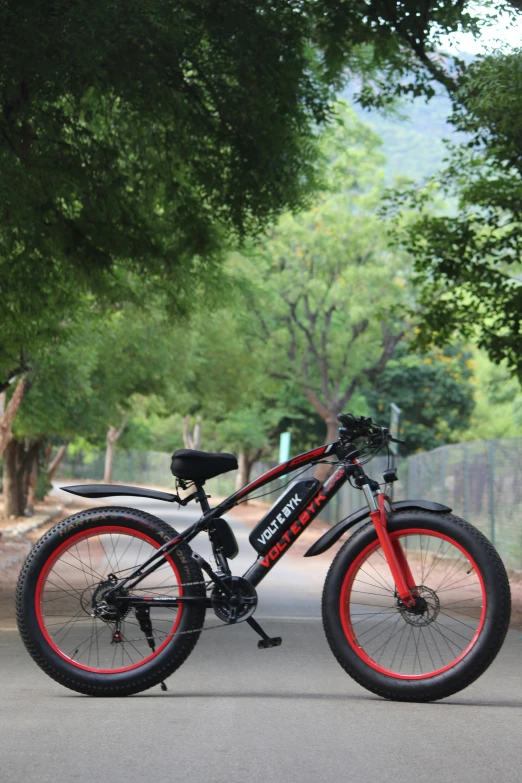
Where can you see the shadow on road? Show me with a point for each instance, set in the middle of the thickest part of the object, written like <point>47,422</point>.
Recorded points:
<point>341,697</point>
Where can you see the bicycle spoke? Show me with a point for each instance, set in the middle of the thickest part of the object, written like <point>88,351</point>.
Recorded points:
<point>416,643</point>
<point>75,585</point>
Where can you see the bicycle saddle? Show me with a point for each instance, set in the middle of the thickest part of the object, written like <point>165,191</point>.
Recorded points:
<point>200,465</point>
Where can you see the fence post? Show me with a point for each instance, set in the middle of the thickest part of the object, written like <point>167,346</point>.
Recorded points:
<point>491,461</point>
<point>465,481</point>
<point>443,475</point>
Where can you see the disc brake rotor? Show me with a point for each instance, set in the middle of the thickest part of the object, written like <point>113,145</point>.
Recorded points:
<point>426,609</point>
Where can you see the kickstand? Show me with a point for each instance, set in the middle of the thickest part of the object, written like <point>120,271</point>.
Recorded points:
<point>266,640</point>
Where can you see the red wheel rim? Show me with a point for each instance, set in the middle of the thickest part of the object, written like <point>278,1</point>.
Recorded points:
<point>396,642</point>
<point>73,584</point>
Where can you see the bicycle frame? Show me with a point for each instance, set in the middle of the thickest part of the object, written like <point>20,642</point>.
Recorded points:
<point>263,564</point>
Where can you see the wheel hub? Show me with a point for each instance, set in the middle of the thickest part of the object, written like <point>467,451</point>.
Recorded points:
<point>96,604</point>
<point>426,608</point>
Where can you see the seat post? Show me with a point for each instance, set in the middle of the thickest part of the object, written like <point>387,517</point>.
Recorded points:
<point>202,496</point>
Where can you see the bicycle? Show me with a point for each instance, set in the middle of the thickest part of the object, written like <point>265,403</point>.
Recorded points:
<point>416,603</point>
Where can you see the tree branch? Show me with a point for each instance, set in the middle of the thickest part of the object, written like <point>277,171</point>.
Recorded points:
<point>390,342</point>
<point>316,403</point>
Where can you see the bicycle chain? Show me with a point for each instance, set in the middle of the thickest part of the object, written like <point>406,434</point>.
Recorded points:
<point>207,584</point>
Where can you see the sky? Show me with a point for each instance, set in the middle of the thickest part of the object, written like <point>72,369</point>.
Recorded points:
<point>502,33</point>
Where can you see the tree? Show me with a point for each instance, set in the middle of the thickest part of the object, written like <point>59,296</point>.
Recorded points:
<point>396,47</point>
<point>498,401</point>
<point>468,259</point>
<point>434,392</point>
<point>139,141</point>
<point>8,413</point>
<point>325,317</point>
<point>142,139</point>
<point>85,386</point>
<point>220,387</point>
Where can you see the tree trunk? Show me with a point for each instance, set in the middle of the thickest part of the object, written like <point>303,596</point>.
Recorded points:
<point>245,462</point>
<point>323,472</point>
<point>18,463</point>
<point>109,457</point>
<point>33,472</point>
<point>9,413</point>
<point>191,436</point>
<point>57,461</point>
<point>113,436</point>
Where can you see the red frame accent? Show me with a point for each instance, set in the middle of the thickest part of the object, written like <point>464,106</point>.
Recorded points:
<point>47,568</point>
<point>402,578</point>
<point>350,634</point>
<point>279,470</point>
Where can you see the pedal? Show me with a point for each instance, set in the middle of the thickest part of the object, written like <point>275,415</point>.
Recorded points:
<point>266,640</point>
<point>275,641</point>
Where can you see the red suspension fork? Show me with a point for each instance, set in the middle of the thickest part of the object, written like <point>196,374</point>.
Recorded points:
<point>394,555</point>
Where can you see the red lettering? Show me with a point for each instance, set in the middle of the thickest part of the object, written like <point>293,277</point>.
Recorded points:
<point>274,553</point>
<point>311,508</point>
<point>294,527</point>
<point>280,546</point>
<point>265,562</point>
<point>287,537</point>
<point>320,497</point>
<point>304,517</point>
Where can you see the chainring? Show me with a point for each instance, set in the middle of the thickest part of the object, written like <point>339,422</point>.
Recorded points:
<point>238,607</point>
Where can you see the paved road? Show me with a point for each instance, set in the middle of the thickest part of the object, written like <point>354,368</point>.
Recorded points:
<point>234,712</point>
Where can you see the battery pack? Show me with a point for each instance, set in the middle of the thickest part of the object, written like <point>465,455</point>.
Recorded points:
<point>283,513</point>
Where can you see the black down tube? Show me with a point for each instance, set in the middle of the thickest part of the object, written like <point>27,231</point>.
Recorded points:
<point>262,566</point>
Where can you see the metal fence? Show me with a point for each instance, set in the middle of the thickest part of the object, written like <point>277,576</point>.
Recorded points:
<point>480,480</point>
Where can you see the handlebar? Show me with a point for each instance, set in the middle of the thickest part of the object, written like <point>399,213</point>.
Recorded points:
<point>352,428</point>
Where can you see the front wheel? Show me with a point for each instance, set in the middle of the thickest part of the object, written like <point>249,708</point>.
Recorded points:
<point>454,631</point>
<point>86,643</point>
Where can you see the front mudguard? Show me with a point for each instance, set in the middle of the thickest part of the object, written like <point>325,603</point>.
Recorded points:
<point>335,533</point>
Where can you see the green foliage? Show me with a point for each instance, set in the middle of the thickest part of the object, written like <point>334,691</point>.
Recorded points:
<point>498,398</point>
<point>221,378</point>
<point>323,313</point>
<point>468,263</point>
<point>136,142</point>
<point>90,379</point>
<point>434,392</point>
<point>394,46</point>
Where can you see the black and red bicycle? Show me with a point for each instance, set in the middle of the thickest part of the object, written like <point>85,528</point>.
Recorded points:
<point>416,603</point>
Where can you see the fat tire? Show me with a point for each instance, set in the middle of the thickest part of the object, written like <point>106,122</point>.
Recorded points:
<point>111,684</point>
<point>479,658</point>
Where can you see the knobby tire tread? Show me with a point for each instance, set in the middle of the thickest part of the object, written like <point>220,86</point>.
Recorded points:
<point>123,684</point>
<point>443,685</point>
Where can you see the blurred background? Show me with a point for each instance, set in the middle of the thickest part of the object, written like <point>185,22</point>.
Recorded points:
<point>221,228</point>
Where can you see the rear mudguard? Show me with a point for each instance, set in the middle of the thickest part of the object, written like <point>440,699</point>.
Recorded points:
<point>108,490</point>
<point>333,535</point>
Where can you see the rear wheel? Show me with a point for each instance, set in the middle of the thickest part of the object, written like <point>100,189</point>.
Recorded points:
<point>456,628</point>
<point>98,647</point>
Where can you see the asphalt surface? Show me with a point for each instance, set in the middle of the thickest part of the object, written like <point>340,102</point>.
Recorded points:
<point>233,712</point>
